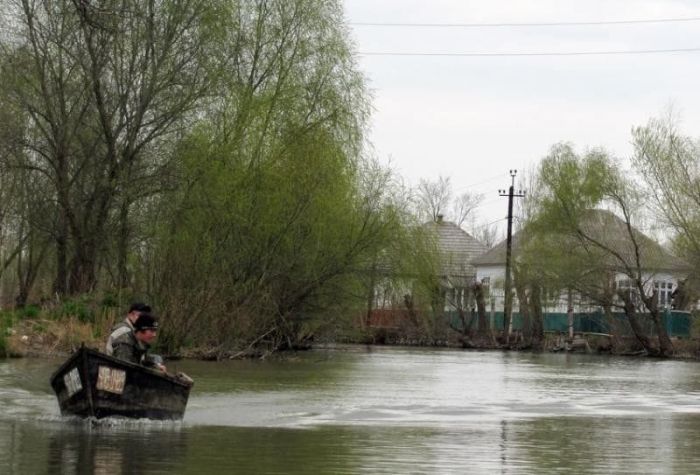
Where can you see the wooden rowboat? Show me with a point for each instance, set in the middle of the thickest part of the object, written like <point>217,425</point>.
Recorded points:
<point>93,384</point>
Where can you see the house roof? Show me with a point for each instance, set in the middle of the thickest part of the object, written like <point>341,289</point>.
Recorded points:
<point>496,256</point>
<point>605,227</point>
<point>457,248</point>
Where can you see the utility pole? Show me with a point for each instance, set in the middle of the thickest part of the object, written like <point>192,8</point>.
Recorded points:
<point>508,297</point>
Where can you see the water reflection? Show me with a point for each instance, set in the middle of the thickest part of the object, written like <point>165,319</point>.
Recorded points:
<point>385,411</point>
<point>656,444</point>
<point>110,449</point>
<point>538,445</point>
<point>70,447</point>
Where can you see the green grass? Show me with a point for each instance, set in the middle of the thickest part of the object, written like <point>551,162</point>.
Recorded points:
<point>6,322</point>
<point>79,308</point>
<point>29,311</point>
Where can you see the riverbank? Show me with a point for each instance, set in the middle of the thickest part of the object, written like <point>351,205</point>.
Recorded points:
<point>41,337</point>
<point>48,338</point>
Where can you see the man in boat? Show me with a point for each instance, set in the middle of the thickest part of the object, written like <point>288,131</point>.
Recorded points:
<point>125,326</point>
<point>133,346</point>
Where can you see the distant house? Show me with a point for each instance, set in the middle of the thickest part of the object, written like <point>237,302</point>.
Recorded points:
<point>457,248</point>
<point>660,269</point>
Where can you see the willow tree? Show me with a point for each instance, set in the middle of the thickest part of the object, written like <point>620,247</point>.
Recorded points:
<point>279,215</point>
<point>587,246</point>
<point>669,162</point>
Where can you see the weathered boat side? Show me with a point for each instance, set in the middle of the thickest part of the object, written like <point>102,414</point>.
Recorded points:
<point>94,384</point>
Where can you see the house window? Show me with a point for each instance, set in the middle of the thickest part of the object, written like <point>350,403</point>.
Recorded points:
<point>664,290</point>
<point>627,286</point>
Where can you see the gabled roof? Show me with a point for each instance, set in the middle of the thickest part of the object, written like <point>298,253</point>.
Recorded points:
<point>457,248</point>
<point>496,256</point>
<point>605,227</point>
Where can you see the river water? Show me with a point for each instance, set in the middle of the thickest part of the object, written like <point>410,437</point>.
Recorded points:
<point>355,410</point>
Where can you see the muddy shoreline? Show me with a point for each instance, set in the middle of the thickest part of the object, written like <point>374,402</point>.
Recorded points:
<point>57,339</point>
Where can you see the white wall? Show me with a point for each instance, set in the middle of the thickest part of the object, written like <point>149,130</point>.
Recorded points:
<point>496,276</point>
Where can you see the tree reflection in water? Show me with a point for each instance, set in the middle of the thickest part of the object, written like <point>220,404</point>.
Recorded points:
<point>112,447</point>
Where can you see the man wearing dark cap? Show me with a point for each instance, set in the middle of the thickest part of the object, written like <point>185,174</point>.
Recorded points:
<point>126,326</point>
<point>133,346</point>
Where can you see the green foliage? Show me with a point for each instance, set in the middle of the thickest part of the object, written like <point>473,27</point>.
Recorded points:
<point>669,163</point>
<point>565,246</point>
<point>29,311</point>
<point>65,68</point>
<point>228,177</point>
<point>278,218</point>
<point>110,300</point>
<point>77,307</point>
<point>570,184</point>
<point>7,321</point>
<point>7,318</point>
<point>587,245</point>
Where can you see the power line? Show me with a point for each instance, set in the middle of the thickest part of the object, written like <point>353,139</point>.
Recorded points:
<point>482,226</point>
<point>489,201</point>
<point>525,25</point>
<point>548,53</point>
<point>483,182</point>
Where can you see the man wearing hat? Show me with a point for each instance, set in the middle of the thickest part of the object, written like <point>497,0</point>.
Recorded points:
<point>126,326</point>
<point>133,346</point>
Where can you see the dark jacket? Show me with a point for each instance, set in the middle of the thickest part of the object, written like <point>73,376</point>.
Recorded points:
<point>119,329</point>
<point>128,348</point>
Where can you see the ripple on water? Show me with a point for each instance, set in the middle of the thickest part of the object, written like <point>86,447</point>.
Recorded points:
<point>382,412</point>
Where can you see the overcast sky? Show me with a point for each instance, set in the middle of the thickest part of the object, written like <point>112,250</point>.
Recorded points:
<point>475,118</point>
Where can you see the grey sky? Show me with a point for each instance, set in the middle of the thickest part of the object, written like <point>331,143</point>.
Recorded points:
<point>474,118</point>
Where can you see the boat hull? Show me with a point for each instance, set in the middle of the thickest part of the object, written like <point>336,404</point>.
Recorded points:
<point>93,384</point>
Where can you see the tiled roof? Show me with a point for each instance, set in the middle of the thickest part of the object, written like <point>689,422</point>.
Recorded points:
<point>457,248</point>
<point>496,256</point>
<point>607,228</point>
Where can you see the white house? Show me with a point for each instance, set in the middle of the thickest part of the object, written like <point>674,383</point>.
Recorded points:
<point>457,248</point>
<point>660,269</point>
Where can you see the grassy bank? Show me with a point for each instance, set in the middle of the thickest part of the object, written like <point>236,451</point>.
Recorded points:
<point>58,329</point>
<point>5,328</point>
<point>55,329</point>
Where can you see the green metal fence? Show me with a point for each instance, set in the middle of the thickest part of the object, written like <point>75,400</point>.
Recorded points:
<point>677,323</point>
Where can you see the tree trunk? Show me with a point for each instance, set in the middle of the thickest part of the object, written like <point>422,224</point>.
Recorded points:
<point>665,344</point>
<point>28,268</point>
<point>612,324</point>
<point>524,309</point>
<point>631,313</point>
<point>60,285</point>
<point>410,308</point>
<point>21,298</point>
<point>123,246</point>
<point>82,273</point>
<point>370,295</point>
<point>570,313</point>
<point>537,318</point>
<point>483,324</point>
